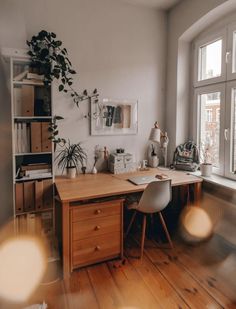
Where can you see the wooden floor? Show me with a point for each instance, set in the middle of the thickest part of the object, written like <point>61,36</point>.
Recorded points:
<point>186,277</point>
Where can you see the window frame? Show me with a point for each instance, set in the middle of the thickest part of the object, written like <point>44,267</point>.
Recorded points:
<point>229,54</point>
<point>208,39</point>
<point>220,87</point>
<point>228,125</point>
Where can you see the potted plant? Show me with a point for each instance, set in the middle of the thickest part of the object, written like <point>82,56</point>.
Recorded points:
<point>51,60</point>
<point>70,157</point>
<point>153,160</point>
<point>206,160</point>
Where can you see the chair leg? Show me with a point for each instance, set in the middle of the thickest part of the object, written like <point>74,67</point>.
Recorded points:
<point>131,223</point>
<point>143,235</point>
<point>152,225</point>
<point>166,230</point>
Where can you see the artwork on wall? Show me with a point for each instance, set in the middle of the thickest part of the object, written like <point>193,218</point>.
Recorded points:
<point>114,117</point>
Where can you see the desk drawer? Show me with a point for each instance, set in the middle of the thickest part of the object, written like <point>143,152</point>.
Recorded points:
<point>95,227</point>
<point>95,249</point>
<point>80,213</point>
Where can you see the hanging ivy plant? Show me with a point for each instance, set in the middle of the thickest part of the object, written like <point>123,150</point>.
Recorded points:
<point>51,59</point>
<point>53,129</point>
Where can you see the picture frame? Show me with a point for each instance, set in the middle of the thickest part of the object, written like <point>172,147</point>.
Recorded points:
<point>114,117</point>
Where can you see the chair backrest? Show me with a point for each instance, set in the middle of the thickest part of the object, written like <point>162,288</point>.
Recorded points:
<point>156,196</point>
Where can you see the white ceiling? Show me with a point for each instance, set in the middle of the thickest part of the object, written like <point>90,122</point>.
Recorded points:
<point>158,4</point>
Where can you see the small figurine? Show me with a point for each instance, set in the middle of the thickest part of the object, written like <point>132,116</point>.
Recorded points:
<point>106,153</point>
<point>165,142</point>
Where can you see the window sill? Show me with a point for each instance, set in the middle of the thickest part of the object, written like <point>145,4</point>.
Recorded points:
<point>218,180</point>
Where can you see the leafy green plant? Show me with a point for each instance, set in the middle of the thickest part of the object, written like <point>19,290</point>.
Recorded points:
<point>71,155</point>
<point>51,60</point>
<point>53,129</point>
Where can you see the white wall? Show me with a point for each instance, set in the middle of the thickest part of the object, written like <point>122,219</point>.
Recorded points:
<point>116,47</point>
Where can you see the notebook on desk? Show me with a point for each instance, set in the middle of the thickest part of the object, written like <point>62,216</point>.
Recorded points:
<point>142,180</point>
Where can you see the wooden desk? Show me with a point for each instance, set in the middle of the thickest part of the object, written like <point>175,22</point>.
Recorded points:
<point>89,186</point>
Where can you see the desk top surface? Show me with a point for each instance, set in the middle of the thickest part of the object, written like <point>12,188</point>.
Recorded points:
<point>90,186</point>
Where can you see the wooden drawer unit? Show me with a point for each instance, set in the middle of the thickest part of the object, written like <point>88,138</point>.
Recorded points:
<point>95,227</point>
<point>96,232</point>
<point>95,249</point>
<point>97,210</point>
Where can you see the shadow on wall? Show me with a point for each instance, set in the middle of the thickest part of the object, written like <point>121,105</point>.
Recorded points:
<point>6,208</point>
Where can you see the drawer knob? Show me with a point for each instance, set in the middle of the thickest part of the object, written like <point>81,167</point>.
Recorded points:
<point>98,211</point>
<point>97,248</point>
<point>97,227</point>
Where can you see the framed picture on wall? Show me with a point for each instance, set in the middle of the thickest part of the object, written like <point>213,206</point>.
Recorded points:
<point>114,117</point>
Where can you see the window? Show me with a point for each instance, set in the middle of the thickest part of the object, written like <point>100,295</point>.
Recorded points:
<point>210,60</point>
<point>209,115</point>
<point>233,126</point>
<point>218,115</point>
<point>209,130</point>
<point>215,98</point>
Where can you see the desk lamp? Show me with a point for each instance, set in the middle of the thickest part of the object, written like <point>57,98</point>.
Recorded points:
<point>157,136</point>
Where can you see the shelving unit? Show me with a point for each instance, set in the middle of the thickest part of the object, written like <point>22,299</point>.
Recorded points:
<point>32,151</point>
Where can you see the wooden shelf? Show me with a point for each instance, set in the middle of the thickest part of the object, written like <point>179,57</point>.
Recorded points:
<point>29,128</point>
<point>34,211</point>
<point>31,117</point>
<point>33,178</point>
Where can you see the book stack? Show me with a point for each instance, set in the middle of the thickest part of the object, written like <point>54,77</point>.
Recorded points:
<point>34,77</point>
<point>38,224</point>
<point>40,141</point>
<point>22,137</point>
<point>23,75</point>
<point>32,137</point>
<point>24,97</point>
<point>33,195</point>
<point>38,170</point>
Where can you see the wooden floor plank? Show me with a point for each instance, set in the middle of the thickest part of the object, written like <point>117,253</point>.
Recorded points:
<point>187,277</point>
<point>106,291</point>
<point>80,291</point>
<point>179,278</point>
<point>155,281</point>
<point>207,275</point>
<point>132,287</point>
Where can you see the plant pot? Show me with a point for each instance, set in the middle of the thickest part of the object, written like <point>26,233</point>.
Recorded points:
<point>71,172</point>
<point>94,170</point>
<point>206,169</point>
<point>153,161</point>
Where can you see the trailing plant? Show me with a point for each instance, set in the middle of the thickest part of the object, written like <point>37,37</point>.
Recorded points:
<point>206,153</point>
<point>51,60</point>
<point>71,155</point>
<point>53,129</point>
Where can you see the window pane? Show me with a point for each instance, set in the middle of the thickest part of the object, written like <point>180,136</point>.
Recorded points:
<point>210,126</point>
<point>210,60</point>
<point>233,128</point>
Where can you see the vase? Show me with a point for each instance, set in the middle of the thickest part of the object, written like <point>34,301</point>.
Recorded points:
<point>206,169</point>
<point>71,172</point>
<point>94,170</point>
<point>153,161</point>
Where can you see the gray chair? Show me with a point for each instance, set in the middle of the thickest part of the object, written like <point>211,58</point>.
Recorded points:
<point>154,199</point>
